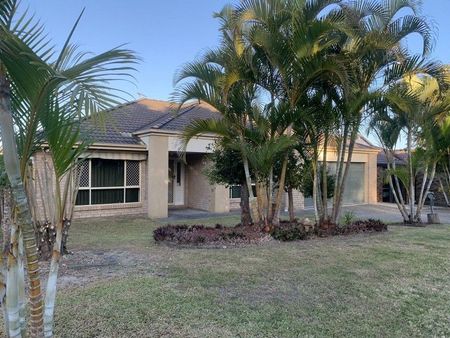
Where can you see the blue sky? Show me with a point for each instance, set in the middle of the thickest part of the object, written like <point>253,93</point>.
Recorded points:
<point>166,34</point>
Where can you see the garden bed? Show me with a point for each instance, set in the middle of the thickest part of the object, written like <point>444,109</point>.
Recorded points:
<point>219,235</point>
<point>200,235</point>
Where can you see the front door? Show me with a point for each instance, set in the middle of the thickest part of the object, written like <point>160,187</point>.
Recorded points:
<point>176,182</point>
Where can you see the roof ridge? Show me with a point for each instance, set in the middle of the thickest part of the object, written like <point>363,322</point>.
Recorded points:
<point>165,119</point>
<point>367,140</point>
<point>174,116</point>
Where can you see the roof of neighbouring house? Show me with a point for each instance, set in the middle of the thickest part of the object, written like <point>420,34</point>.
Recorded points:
<point>401,158</point>
<point>120,124</point>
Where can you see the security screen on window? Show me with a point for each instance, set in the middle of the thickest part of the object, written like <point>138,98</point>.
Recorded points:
<point>104,181</point>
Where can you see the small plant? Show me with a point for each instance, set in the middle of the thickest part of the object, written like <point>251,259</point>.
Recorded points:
<point>348,218</point>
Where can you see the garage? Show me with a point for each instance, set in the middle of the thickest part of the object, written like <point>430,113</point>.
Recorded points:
<point>355,187</point>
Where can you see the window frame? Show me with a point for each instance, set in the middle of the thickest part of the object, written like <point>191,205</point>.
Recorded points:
<point>230,191</point>
<point>90,188</point>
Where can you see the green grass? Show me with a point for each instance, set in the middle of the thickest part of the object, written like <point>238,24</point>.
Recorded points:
<point>392,284</point>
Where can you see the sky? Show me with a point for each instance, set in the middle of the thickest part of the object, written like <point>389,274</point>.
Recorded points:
<point>167,33</point>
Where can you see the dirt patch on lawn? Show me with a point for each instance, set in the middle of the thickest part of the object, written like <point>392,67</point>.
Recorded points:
<point>88,266</point>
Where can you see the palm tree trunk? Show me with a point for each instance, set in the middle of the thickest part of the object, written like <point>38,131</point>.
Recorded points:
<point>424,193</point>
<point>337,205</point>
<point>444,192</point>
<point>400,203</point>
<point>246,218</point>
<point>21,286</point>
<point>291,205</point>
<point>340,165</point>
<point>412,194</point>
<point>317,211</point>
<point>280,192</point>
<point>23,215</point>
<point>253,203</point>
<point>324,217</point>
<point>12,287</point>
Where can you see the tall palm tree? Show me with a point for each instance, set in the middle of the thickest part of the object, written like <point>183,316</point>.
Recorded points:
<point>299,48</point>
<point>414,107</point>
<point>33,87</point>
<point>224,80</point>
<point>374,34</point>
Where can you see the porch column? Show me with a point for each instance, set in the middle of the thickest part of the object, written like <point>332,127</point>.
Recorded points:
<point>157,176</point>
<point>220,201</point>
<point>372,176</point>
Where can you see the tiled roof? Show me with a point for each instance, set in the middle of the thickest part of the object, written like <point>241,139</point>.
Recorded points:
<point>117,125</point>
<point>121,123</point>
<point>401,158</point>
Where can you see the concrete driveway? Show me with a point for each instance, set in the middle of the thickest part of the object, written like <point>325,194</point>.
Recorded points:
<point>384,211</point>
<point>388,212</point>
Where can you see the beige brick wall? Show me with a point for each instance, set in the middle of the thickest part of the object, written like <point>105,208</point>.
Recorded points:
<point>298,201</point>
<point>42,168</point>
<point>235,203</point>
<point>200,193</point>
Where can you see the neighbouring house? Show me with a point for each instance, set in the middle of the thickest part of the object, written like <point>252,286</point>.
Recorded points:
<point>133,166</point>
<point>384,190</point>
<point>401,160</point>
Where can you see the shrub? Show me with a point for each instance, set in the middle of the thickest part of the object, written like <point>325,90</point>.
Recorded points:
<point>370,225</point>
<point>289,231</point>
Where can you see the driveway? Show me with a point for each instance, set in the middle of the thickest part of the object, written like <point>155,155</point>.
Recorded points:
<point>384,211</point>
<point>388,212</point>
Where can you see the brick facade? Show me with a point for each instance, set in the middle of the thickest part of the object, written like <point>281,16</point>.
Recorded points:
<point>42,172</point>
<point>200,193</point>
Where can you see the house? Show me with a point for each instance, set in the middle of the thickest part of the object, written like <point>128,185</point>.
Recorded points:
<point>133,166</point>
<point>401,160</point>
<point>385,194</point>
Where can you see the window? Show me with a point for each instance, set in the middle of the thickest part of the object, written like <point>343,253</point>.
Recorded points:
<point>108,182</point>
<point>235,191</point>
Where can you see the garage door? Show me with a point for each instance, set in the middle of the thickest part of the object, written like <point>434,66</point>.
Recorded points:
<point>355,186</point>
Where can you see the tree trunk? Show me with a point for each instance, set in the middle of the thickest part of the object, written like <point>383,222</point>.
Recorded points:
<point>280,192</point>
<point>412,193</point>
<point>444,192</point>
<point>315,193</point>
<point>253,203</point>
<point>12,288</point>
<point>23,215</point>
<point>291,205</point>
<point>324,217</point>
<point>337,205</point>
<point>246,218</point>
<point>400,204</point>
<point>424,194</point>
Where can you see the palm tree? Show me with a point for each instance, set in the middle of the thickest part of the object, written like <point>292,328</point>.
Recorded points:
<point>374,33</point>
<point>222,79</point>
<point>415,107</point>
<point>38,92</point>
<point>299,49</point>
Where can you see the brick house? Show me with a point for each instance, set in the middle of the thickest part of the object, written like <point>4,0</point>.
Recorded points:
<point>133,166</point>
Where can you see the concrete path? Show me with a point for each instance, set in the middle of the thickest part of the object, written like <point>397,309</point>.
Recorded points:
<point>388,212</point>
<point>384,211</point>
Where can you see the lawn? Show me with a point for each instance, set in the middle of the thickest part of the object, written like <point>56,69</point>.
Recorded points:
<point>389,284</point>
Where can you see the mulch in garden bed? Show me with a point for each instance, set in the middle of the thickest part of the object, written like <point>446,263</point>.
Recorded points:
<point>220,236</point>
